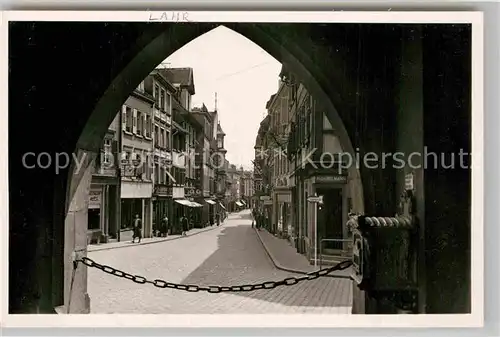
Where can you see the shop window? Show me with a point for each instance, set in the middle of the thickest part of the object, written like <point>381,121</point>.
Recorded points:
<point>94,219</point>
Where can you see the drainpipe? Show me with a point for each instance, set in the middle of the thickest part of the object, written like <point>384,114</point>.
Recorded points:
<point>118,164</point>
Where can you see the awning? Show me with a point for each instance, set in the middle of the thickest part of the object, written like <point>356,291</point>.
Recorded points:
<point>188,203</point>
<point>221,205</point>
<point>239,203</point>
<point>183,202</point>
<point>243,202</point>
<point>211,202</point>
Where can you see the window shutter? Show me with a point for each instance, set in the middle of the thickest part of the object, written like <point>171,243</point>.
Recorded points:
<point>144,130</point>
<point>134,119</point>
<point>124,117</point>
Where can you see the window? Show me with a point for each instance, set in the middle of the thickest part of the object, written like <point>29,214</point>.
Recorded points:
<point>107,151</point>
<point>162,99</point>
<point>147,169</point>
<point>167,101</point>
<point>129,119</point>
<point>157,136</point>
<point>162,138</point>
<point>157,94</point>
<point>147,127</point>
<point>140,123</point>
<point>167,139</point>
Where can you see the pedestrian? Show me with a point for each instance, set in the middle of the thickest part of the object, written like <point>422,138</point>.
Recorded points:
<point>254,215</point>
<point>184,223</point>
<point>137,232</point>
<point>164,227</point>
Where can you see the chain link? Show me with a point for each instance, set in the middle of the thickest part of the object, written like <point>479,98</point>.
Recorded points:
<point>214,289</point>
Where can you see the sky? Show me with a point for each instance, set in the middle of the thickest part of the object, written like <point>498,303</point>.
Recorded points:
<point>243,75</point>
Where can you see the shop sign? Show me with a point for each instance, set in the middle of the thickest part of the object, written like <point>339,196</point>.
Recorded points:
<point>163,190</point>
<point>95,199</point>
<point>331,179</point>
<point>265,197</point>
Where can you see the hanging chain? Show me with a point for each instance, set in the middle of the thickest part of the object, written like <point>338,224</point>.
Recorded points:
<point>213,289</point>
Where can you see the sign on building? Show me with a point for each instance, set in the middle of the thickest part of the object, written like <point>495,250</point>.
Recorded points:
<point>316,199</point>
<point>331,179</point>
<point>95,199</point>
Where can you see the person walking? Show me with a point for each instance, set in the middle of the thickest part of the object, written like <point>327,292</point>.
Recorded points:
<point>137,232</point>
<point>254,216</point>
<point>259,220</point>
<point>164,227</point>
<point>184,223</point>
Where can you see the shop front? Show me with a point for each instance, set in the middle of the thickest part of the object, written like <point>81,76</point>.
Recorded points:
<point>136,201</point>
<point>327,219</point>
<point>162,203</point>
<point>211,210</point>
<point>95,217</point>
<point>281,216</point>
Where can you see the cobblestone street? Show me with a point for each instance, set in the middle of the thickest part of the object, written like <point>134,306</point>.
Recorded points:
<point>228,255</point>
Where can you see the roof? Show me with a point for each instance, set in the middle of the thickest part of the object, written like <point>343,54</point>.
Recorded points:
<point>219,130</point>
<point>264,125</point>
<point>158,74</point>
<point>180,76</point>
<point>269,101</point>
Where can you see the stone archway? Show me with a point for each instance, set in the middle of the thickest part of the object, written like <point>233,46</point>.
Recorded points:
<point>289,50</point>
<point>391,87</point>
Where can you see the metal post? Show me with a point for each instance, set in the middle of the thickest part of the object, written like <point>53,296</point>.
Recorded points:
<point>118,164</point>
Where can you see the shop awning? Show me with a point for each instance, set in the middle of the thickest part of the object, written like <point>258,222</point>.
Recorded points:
<point>183,202</point>
<point>243,202</point>
<point>221,205</point>
<point>188,203</point>
<point>239,203</point>
<point>211,202</point>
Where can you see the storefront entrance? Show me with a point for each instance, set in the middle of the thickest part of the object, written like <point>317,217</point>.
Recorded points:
<point>330,217</point>
<point>130,207</point>
<point>94,219</point>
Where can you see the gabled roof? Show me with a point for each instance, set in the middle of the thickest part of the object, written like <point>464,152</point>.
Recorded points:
<point>269,101</point>
<point>219,130</point>
<point>180,76</point>
<point>264,126</point>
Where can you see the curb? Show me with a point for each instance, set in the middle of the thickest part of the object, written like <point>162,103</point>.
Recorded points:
<point>273,259</point>
<point>152,242</point>
<point>277,265</point>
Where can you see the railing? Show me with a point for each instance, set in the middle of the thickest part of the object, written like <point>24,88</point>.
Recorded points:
<point>341,241</point>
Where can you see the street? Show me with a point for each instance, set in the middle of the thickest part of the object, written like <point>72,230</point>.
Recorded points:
<point>227,255</point>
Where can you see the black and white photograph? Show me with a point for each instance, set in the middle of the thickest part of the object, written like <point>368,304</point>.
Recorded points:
<point>242,169</point>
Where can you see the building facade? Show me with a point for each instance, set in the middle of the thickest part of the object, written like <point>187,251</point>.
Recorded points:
<point>320,175</point>
<point>163,92</point>
<point>220,170</point>
<point>183,144</point>
<point>102,220</point>
<point>136,166</point>
<point>297,156</point>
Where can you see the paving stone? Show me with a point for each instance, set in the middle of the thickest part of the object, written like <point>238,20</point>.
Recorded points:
<point>229,255</point>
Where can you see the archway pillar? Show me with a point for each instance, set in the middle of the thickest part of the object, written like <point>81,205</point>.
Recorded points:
<point>76,298</point>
